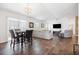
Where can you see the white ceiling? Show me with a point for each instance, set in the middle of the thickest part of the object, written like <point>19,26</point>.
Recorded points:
<point>44,11</point>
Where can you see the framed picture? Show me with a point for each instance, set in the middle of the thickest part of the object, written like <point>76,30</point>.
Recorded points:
<point>31,25</point>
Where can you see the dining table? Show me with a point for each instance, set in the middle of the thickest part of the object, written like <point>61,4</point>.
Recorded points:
<point>20,36</point>
<point>24,36</point>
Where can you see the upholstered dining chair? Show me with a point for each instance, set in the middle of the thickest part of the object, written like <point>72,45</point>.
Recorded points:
<point>29,36</point>
<point>13,38</point>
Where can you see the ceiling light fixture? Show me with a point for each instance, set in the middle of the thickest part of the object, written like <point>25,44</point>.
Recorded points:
<point>28,9</point>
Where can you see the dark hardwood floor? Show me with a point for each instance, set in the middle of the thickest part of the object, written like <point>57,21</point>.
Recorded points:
<point>55,46</point>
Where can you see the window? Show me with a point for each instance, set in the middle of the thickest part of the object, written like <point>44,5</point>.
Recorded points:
<point>14,23</point>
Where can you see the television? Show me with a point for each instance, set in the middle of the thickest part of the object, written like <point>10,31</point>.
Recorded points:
<point>56,25</point>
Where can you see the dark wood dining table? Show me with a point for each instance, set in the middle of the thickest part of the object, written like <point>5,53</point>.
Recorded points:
<point>24,35</point>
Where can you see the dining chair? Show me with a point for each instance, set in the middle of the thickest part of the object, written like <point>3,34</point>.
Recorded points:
<point>29,36</point>
<point>13,38</point>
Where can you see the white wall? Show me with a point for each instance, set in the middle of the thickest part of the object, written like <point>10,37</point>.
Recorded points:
<point>66,23</point>
<point>50,24</point>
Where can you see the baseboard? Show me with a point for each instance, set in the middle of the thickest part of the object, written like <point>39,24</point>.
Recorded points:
<point>3,42</point>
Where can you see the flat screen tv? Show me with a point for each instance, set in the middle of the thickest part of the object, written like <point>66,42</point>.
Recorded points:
<point>56,25</point>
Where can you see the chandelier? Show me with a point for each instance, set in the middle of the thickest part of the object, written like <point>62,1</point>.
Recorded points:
<point>28,9</point>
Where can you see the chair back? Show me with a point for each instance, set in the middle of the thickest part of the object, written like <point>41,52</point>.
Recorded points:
<point>12,33</point>
<point>29,33</point>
